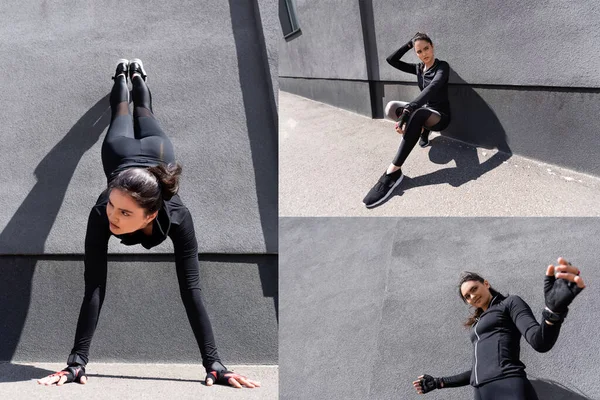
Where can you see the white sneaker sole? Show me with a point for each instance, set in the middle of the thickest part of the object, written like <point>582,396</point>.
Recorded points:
<point>387,194</point>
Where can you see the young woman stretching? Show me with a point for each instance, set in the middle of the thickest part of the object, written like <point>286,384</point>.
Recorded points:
<point>496,328</point>
<point>140,206</point>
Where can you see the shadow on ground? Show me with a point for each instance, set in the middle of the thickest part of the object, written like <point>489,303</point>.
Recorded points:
<point>19,373</point>
<point>141,378</point>
<point>547,389</point>
<point>442,151</point>
<point>35,217</point>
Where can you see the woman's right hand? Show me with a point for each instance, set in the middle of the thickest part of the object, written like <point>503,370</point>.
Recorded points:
<point>72,373</point>
<point>561,285</point>
<point>427,383</point>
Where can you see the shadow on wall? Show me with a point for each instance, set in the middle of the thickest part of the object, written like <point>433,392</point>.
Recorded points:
<point>261,116</point>
<point>473,121</point>
<point>547,389</point>
<point>35,217</point>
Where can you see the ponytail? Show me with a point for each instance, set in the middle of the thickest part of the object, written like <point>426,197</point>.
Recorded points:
<point>149,186</point>
<point>168,178</point>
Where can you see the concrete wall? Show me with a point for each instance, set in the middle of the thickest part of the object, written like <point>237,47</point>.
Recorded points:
<point>369,304</point>
<point>531,65</point>
<point>143,318</point>
<point>210,68</point>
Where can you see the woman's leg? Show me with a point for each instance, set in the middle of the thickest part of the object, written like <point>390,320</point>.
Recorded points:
<point>421,118</point>
<point>119,141</point>
<point>155,142</point>
<point>514,388</point>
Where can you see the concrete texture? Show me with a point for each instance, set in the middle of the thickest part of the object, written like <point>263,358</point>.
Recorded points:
<point>349,95</point>
<point>331,44</point>
<point>143,318</point>
<point>500,43</point>
<point>139,381</point>
<point>209,69</point>
<point>508,43</point>
<point>369,304</point>
<point>330,158</point>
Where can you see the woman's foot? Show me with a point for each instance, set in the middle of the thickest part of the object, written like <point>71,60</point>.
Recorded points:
<point>383,188</point>
<point>122,69</point>
<point>136,67</point>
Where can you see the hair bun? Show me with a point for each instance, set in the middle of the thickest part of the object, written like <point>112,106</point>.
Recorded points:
<point>168,178</point>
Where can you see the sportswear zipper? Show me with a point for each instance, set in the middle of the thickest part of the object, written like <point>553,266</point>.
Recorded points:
<point>475,328</point>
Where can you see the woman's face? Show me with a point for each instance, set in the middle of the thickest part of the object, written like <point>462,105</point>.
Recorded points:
<point>124,214</point>
<point>424,51</point>
<point>476,294</point>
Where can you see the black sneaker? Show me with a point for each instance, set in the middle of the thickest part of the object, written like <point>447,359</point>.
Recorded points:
<point>136,66</point>
<point>122,69</point>
<point>383,188</point>
<point>424,141</point>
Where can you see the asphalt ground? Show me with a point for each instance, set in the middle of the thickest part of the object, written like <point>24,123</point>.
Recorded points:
<point>134,381</point>
<point>330,158</point>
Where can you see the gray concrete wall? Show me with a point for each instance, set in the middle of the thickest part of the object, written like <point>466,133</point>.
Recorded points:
<point>523,66</point>
<point>369,304</point>
<point>143,318</point>
<point>331,44</point>
<point>210,68</point>
<point>210,95</point>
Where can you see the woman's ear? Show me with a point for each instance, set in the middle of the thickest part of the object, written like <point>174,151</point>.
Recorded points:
<point>151,217</point>
<point>486,284</point>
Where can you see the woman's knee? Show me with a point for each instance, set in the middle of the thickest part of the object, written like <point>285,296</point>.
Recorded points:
<point>394,108</point>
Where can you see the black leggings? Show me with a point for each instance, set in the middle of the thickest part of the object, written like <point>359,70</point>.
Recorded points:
<point>514,388</point>
<point>413,129</point>
<point>129,141</point>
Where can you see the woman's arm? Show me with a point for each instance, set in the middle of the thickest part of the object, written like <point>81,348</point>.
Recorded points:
<point>439,80</point>
<point>462,379</point>
<point>394,60</point>
<point>427,383</point>
<point>540,336</point>
<point>184,240</point>
<point>95,260</point>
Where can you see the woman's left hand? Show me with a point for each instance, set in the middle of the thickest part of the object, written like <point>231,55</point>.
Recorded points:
<point>559,294</point>
<point>230,378</point>
<point>400,127</point>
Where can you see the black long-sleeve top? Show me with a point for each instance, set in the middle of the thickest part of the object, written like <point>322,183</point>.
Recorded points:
<point>433,82</point>
<point>496,340</point>
<point>173,220</point>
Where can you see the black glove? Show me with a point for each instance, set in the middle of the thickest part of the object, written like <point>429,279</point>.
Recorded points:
<point>220,375</point>
<point>404,117</point>
<point>74,373</point>
<point>429,383</point>
<point>559,293</point>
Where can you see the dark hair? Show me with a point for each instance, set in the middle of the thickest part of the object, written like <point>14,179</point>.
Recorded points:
<point>472,276</point>
<point>421,36</point>
<point>149,186</point>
